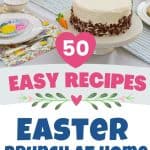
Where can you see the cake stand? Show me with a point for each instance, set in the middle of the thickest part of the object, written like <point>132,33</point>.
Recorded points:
<point>106,44</point>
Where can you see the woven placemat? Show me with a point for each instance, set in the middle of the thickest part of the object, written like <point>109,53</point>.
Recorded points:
<point>141,46</point>
<point>54,6</point>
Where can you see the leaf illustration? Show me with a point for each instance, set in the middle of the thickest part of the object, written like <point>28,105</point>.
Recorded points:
<point>58,106</point>
<point>113,95</point>
<point>60,95</point>
<point>35,104</point>
<point>24,98</point>
<point>108,105</point>
<point>130,98</point>
<point>49,95</point>
<point>118,104</point>
<point>45,105</point>
<point>92,95</point>
<point>103,95</point>
<point>94,106</point>
<point>39,95</point>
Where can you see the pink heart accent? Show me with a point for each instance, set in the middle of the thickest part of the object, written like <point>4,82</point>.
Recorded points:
<point>76,99</point>
<point>75,60</point>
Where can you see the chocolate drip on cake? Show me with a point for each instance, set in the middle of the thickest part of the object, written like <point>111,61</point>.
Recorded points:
<point>100,29</point>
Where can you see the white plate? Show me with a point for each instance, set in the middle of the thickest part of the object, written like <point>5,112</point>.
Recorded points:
<point>34,28</point>
<point>141,11</point>
<point>106,43</point>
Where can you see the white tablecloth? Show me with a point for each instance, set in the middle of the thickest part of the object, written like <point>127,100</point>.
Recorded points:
<point>117,57</point>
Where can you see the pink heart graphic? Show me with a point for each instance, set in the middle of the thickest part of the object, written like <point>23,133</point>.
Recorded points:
<point>76,99</point>
<point>67,42</point>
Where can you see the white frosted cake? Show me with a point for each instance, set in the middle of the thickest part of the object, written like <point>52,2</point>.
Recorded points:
<point>101,17</point>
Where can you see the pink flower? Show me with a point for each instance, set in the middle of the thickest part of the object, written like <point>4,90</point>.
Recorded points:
<point>30,98</point>
<point>123,98</point>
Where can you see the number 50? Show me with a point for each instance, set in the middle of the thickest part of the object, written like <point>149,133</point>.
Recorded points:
<point>70,49</point>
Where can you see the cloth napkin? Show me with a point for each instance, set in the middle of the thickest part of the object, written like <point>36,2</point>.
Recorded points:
<point>18,54</point>
<point>45,42</point>
<point>141,46</point>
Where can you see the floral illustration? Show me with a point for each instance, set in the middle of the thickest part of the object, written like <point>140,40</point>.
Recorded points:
<point>94,99</point>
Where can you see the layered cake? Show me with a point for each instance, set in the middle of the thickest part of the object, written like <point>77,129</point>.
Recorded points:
<point>101,17</point>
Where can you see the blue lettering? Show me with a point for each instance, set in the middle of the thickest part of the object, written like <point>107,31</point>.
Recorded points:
<point>79,123</point>
<point>59,126</point>
<point>97,129</point>
<point>42,130</point>
<point>23,128</point>
<point>115,130</point>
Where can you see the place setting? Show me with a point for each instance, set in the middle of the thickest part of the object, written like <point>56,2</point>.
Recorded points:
<point>143,11</point>
<point>23,35</point>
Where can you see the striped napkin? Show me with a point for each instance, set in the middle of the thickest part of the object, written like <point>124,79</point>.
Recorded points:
<point>141,46</point>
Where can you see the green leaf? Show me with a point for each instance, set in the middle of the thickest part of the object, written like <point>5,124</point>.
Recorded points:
<point>57,19</point>
<point>94,106</point>
<point>92,95</point>
<point>130,98</point>
<point>49,95</point>
<point>118,104</point>
<point>45,105</point>
<point>58,106</point>
<point>113,95</point>
<point>39,95</point>
<point>60,95</point>
<point>108,105</point>
<point>60,15</point>
<point>103,95</point>
<point>3,24</point>
<point>35,104</point>
<point>24,98</point>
